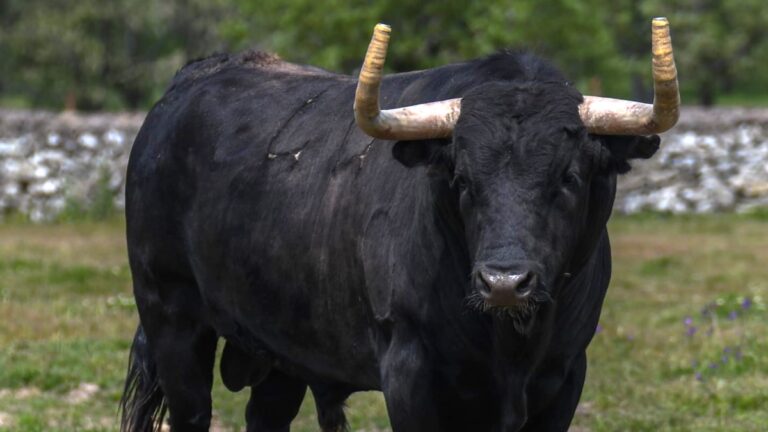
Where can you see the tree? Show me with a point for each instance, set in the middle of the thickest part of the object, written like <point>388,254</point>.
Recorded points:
<point>98,54</point>
<point>718,44</point>
<point>121,54</point>
<point>427,34</point>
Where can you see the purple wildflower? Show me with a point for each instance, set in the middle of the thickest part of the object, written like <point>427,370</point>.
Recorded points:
<point>690,331</point>
<point>699,377</point>
<point>713,365</point>
<point>688,321</point>
<point>724,359</point>
<point>598,329</point>
<point>732,315</point>
<point>746,303</point>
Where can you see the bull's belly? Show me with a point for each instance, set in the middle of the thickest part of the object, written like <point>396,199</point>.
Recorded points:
<point>319,338</point>
<point>289,277</point>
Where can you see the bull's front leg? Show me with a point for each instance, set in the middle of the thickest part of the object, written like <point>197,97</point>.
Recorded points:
<point>407,383</point>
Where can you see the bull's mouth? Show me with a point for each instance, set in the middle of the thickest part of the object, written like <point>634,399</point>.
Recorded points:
<point>521,314</point>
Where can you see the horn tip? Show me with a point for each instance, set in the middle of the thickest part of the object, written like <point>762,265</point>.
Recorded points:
<point>382,28</point>
<point>660,21</point>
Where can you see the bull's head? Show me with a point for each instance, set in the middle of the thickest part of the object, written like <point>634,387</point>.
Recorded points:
<point>533,165</point>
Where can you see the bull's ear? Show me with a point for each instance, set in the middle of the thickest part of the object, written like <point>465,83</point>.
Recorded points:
<point>415,153</point>
<point>622,149</point>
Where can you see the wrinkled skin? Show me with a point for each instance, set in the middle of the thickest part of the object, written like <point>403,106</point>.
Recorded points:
<point>258,213</point>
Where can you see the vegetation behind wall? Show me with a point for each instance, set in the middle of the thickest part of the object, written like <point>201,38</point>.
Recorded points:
<point>120,54</point>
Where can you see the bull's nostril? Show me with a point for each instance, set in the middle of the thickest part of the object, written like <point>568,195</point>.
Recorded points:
<point>485,284</point>
<point>525,284</point>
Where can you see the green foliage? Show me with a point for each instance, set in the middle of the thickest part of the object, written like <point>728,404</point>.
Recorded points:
<point>758,213</point>
<point>95,54</point>
<point>121,54</point>
<point>723,45</point>
<point>435,33</point>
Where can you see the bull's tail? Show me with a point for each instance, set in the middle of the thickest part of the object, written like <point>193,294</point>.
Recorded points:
<point>143,403</point>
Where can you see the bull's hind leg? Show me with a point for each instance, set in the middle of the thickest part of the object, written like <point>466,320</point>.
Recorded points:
<point>274,403</point>
<point>183,348</point>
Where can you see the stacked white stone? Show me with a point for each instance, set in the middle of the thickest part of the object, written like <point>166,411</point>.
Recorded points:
<point>714,160</point>
<point>49,160</point>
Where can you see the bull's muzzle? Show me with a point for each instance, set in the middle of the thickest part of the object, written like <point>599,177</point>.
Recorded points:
<point>506,289</point>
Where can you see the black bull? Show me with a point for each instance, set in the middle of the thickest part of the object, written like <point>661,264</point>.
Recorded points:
<point>259,213</point>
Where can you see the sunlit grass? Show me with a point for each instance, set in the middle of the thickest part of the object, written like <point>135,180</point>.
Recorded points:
<point>68,318</point>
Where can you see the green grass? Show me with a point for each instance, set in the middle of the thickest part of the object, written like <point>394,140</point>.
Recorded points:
<point>68,318</point>
<point>644,363</point>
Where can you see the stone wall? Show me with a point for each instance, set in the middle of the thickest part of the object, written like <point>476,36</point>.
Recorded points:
<point>49,161</point>
<point>714,160</point>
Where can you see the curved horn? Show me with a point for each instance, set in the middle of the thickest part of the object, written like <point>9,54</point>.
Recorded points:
<point>605,116</point>
<point>424,121</point>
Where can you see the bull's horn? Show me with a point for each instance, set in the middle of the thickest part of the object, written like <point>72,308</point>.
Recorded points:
<point>607,116</point>
<point>424,121</point>
<point>600,115</point>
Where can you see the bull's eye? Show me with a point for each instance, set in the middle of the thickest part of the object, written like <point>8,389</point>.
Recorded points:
<point>460,181</point>
<point>571,180</point>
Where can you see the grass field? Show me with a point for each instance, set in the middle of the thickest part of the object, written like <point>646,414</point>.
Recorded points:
<point>681,345</point>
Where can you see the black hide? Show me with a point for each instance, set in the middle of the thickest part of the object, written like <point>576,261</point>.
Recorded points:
<point>259,213</point>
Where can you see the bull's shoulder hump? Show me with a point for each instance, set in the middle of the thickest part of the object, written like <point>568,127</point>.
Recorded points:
<point>254,60</point>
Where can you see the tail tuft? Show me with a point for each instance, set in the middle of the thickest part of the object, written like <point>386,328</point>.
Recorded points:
<point>143,405</point>
<point>332,419</point>
<point>330,409</point>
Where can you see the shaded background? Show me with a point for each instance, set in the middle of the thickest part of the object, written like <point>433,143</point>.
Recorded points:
<point>120,54</point>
